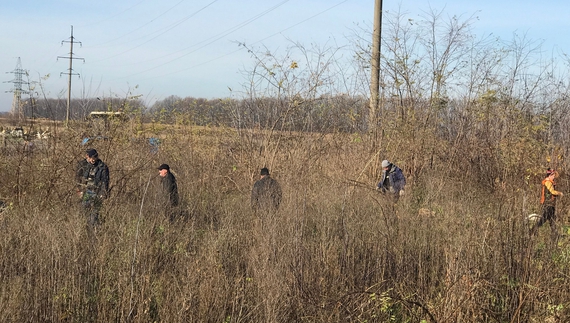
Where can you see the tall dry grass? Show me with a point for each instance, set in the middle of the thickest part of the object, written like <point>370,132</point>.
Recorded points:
<point>455,248</point>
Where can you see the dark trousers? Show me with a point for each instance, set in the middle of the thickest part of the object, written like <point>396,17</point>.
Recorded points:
<point>548,214</point>
<point>91,207</point>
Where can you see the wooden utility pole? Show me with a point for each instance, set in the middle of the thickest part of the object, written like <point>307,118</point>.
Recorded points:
<point>70,72</point>
<point>375,66</point>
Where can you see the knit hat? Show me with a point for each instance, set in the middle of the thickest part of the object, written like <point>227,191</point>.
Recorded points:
<point>551,171</point>
<point>264,171</point>
<point>91,153</point>
<point>385,163</point>
<point>163,166</point>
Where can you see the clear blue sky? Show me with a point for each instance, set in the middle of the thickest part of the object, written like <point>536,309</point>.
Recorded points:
<point>189,47</point>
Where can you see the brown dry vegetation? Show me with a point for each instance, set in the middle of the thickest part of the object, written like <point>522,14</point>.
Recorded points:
<point>473,124</point>
<point>335,252</point>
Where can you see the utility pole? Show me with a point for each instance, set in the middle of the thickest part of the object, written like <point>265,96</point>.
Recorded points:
<point>17,90</point>
<point>375,66</point>
<point>70,72</point>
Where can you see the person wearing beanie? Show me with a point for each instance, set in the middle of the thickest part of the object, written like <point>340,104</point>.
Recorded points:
<point>94,186</point>
<point>548,197</point>
<point>266,193</point>
<point>170,191</point>
<point>392,180</point>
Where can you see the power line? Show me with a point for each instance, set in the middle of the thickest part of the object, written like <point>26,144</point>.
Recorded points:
<point>217,37</point>
<point>120,13</point>
<point>163,32</point>
<point>140,27</point>
<point>212,39</point>
<point>235,51</point>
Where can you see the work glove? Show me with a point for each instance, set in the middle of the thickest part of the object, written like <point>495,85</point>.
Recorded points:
<point>401,192</point>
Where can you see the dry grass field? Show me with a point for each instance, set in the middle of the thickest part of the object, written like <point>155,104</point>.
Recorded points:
<point>455,248</point>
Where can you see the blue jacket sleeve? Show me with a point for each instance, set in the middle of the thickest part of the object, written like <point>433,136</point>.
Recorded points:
<point>381,183</point>
<point>398,180</point>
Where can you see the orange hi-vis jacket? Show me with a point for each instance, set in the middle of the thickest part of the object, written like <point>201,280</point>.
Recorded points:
<point>548,192</point>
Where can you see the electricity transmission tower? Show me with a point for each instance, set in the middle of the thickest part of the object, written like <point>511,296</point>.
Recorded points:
<point>18,90</point>
<point>70,72</point>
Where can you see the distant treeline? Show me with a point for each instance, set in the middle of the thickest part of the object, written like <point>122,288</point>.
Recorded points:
<point>337,113</point>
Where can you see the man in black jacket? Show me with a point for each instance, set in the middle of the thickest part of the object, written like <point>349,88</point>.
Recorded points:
<point>95,186</point>
<point>170,190</point>
<point>266,193</point>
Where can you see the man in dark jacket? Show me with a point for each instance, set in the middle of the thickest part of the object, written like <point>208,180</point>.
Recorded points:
<point>170,190</point>
<point>392,181</point>
<point>266,193</point>
<point>95,186</point>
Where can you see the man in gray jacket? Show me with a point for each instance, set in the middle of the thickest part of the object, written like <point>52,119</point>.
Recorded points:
<point>392,181</point>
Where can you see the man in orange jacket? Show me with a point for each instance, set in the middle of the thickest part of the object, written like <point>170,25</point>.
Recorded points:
<point>548,196</point>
